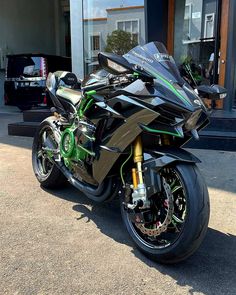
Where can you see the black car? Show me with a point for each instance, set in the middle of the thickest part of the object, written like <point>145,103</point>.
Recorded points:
<point>26,75</point>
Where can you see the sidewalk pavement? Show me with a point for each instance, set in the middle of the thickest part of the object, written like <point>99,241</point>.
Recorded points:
<point>59,242</point>
<point>9,110</point>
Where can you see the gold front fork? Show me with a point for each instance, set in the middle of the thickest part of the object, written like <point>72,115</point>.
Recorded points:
<point>138,160</point>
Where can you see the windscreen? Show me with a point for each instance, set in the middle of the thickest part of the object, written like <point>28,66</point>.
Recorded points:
<point>155,60</point>
<point>23,66</point>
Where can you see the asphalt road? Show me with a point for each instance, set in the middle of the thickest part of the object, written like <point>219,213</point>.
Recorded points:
<point>59,242</point>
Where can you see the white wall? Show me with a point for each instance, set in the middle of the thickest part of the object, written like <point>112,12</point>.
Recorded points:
<point>29,26</point>
<point>94,28</point>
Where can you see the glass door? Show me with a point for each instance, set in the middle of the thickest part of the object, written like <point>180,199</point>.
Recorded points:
<point>196,39</point>
<point>113,26</point>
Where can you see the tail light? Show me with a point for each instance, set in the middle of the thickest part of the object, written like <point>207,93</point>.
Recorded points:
<point>45,100</point>
<point>44,69</point>
<point>6,68</point>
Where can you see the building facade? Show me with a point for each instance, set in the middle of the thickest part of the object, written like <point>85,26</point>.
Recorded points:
<point>200,32</point>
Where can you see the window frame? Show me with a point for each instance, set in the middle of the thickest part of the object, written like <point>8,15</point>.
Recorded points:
<point>130,20</point>
<point>190,5</point>
<point>205,25</point>
<point>94,53</point>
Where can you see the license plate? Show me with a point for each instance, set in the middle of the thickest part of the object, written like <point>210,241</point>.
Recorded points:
<point>23,84</point>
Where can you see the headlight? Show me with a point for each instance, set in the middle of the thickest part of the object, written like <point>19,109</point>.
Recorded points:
<point>192,121</point>
<point>114,66</point>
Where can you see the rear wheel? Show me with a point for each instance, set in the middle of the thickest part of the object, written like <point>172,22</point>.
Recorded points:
<point>179,216</point>
<point>44,168</point>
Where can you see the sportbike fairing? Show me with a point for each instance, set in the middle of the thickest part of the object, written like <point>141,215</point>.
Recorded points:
<point>165,106</point>
<point>153,104</point>
<point>154,59</point>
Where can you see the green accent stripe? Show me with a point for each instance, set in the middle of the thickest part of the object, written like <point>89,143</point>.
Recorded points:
<point>178,134</point>
<point>171,87</point>
<point>176,189</point>
<point>122,166</point>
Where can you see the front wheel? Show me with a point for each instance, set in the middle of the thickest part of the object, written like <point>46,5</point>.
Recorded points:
<point>179,216</point>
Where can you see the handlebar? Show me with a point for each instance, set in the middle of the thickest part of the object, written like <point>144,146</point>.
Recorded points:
<point>107,83</point>
<point>96,86</point>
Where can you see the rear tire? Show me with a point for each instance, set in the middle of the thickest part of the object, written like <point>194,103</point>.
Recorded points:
<point>47,173</point>
<point>195,223</point>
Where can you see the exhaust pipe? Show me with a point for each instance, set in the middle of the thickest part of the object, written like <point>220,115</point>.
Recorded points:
<point>99,194</point>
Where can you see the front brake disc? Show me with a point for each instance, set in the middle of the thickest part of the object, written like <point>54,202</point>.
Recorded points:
<point>159,227</point>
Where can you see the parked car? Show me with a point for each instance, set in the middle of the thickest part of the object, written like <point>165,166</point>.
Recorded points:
<point>26,75</point>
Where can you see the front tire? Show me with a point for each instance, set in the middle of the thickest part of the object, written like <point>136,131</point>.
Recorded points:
<point>194,225</point>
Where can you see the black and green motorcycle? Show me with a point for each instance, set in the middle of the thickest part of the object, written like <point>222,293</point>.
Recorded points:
<point>119,134</point>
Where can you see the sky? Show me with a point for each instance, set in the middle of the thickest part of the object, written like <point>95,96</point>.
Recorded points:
<point>97,8</point>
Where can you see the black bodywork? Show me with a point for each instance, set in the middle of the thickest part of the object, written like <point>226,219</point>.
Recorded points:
<point>149,98</point>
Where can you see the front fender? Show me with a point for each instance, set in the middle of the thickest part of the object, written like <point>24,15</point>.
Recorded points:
<point>167,155</point>
<point>154,161</point>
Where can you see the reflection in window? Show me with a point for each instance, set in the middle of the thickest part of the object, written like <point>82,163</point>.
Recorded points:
<point>102,20</point>
<point>209,25</point>
<point>194,40</point>
<point>130,27</point>
<point>187,21</point>
<point>95,42</point>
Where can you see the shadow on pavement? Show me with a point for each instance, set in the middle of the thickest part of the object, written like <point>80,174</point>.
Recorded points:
<point>211,270</point>
<point>14,141</point>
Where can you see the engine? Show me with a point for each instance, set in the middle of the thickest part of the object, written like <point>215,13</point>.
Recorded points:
<point>77,147</point>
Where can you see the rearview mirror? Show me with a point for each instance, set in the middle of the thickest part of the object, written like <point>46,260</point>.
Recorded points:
<point>212,92</point>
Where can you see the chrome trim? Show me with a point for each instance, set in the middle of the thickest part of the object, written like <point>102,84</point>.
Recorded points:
<point>25,79</point>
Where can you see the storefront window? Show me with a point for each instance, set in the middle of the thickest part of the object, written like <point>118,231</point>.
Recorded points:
<point>194,42</point>
<point>114,26</point>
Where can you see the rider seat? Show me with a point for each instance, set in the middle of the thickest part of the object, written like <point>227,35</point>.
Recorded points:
<point>65,86</point>
<point>70,95</point>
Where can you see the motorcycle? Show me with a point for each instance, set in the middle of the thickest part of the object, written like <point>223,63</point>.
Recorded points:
<point>119,134</point>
